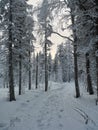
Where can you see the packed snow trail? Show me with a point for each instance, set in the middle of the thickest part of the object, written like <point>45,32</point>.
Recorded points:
<point>56,109</point>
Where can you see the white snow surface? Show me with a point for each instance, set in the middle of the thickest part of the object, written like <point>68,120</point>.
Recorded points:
<point>56,109</point>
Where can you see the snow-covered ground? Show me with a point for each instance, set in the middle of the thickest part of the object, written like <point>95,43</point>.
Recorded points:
<point>56,109</point>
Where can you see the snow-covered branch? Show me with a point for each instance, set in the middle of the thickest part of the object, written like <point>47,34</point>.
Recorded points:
<point>63,36</point>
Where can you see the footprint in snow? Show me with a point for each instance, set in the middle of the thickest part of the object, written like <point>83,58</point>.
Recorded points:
<point>24,105</point>
<point>2,125</point>
<point>38,120</point>
<point>14,120</point>
<point>59,116</point>
<point>61,110</point>
<point>60,125</point>
<point>36,96</point>
<point>7,128</point>
<point>28,101</point>
<point>40,124</point>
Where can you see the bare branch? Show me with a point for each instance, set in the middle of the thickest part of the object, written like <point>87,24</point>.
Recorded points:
<point>63,36</point>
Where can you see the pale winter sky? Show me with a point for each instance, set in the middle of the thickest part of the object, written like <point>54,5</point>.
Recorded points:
<point>34,2</point>
<point>54,38</point>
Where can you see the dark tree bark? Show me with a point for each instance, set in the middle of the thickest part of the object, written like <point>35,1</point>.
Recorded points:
<point>75,58</point>
<point>76,72</point>
<point>55,67</point>
<point>89,82</point>
<point>69,77</point>
<point>46,59</point>
<point>96,45</point>
<point>46,68</point>
<point>30,70</point>
<point>20,73</point>
<point>37,71</point>
<point>11,79</point>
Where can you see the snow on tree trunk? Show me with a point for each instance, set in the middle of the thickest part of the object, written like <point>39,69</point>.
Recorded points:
<point>96,45</point>
<point>75,57</point>
<point>11,80</point>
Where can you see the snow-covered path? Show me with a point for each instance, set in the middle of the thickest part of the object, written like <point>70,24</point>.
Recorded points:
<point>55,110</point>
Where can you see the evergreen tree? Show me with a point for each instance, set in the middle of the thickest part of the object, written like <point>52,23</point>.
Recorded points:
<point>13,21</point>
<point>46,27</point>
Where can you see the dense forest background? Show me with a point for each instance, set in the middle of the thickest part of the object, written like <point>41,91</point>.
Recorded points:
<point>24,27</point>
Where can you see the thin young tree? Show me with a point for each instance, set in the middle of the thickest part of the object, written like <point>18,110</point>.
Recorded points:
<point>37,71</point>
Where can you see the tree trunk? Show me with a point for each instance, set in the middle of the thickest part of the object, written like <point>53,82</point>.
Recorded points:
<point>11,79</point>
<point>97,74</point>
<point>30,70</point>
<point>89,82</point>
<point>20,73</point>
<point>68,72</point>
<point>76,72</point>
<point>46,67</point>
<point>37,71</point>
<point>75,58</point>
<point>96,45</point>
